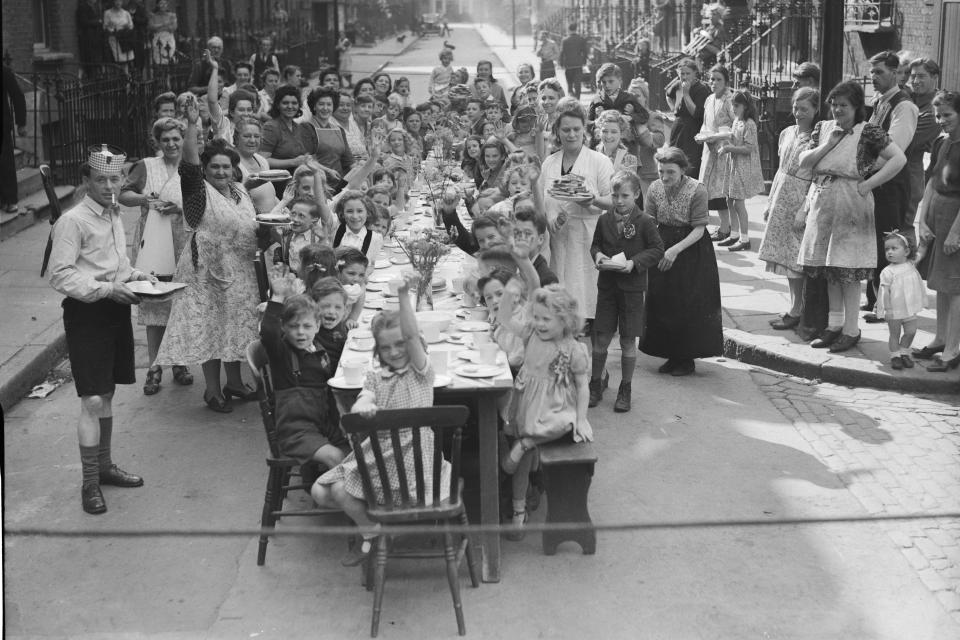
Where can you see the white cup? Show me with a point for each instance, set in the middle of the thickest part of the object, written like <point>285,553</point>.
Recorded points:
<point>440,359</point>
<point>431,331</point>
<point>469,300</point>
<point>457,284</point>
<point>480,338</point>
<point>353,369</point>
<point>479,313</point>
<point>363,339</point>
<point>391,304</point>
<point>488,352</point>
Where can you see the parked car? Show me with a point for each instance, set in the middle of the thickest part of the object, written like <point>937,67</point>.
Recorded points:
<point>430,23</point>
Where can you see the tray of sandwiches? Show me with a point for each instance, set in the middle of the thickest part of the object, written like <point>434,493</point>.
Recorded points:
<point>570,187</point>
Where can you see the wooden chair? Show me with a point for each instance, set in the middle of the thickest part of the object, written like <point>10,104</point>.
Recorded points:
<point>281,470</point>
<point>421,507</point>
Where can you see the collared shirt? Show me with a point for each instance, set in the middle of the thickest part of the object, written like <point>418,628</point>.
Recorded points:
<point>903,119</point>
<point>355,240</point>
<point>89,253</point>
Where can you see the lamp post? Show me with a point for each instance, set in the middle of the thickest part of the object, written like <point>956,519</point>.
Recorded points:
<point>513,10</point>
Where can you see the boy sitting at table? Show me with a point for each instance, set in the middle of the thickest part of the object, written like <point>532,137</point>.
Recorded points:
<point>530,232</point>
<point>307,423</point>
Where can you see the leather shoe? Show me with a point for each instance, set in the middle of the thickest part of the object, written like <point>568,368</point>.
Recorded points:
<point>786,322</point>
<point>872,318</point>
<point>718,235</point>
<point>117,477</point>
<point>844,342</point>
<point>827,338</point>
<point>939,365</point>
<point>740,246</point>
<point>684,368</point>
<point>896,363</point>
<point>927,352</point>
<point>668,366</point>
<point>728,241</point>
<point>93,501</point>
<point>246,392</point>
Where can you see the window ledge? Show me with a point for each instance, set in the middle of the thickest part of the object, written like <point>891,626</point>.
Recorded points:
<point>46,55</point>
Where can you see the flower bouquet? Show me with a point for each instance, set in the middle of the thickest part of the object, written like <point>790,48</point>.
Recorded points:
<point>425,248</point>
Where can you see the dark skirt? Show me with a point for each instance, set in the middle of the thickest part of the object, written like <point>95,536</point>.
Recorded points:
<point>683,304</point>
<point>943,275</point>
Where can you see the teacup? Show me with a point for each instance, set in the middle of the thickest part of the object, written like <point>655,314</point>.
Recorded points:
<point>353,369</point>
<point>440,359</point>
<point>480,338</point>
<point>488,352</point>
<point>363,339</point>
<point>457,284</point>
<point>469,300</point>
<point>479,313</point>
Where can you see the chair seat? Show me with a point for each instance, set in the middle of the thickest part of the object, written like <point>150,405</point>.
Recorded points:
<point>444,510</point>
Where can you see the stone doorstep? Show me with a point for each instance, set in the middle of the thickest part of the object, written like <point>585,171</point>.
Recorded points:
<point>33,208</point>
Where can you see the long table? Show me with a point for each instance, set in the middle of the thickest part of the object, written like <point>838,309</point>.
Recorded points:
<point>483,394</point>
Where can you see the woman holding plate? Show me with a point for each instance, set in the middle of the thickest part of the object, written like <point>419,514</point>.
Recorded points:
<point>572,219</point>
<point>154,185</point>
<point>215,317</point>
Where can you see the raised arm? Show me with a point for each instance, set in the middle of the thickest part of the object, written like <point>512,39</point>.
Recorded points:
<point>213,102</point>
<point>191,174</point>
<point>408,323</point>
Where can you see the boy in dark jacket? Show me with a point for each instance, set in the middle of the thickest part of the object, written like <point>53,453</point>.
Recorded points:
<point>625,244</point>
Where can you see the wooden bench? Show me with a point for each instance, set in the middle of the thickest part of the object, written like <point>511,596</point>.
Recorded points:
<point>567,471</point>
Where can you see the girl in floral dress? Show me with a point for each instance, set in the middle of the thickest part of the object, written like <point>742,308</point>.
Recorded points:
<point>781,240</point>
<point>742,177</point>
<point>403,381</point>
<point>551,389</point>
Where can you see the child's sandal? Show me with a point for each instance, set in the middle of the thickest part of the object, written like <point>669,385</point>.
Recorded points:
<point>519,519</point>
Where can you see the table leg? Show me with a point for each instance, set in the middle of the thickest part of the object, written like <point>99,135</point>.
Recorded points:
<point>489,487</point>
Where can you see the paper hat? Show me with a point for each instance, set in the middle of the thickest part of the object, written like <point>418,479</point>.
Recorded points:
<point>106,159</point>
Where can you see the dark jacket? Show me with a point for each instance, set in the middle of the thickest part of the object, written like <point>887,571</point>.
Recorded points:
<point>644,247</point>
<point>12,95</point>
<point>574,51</point>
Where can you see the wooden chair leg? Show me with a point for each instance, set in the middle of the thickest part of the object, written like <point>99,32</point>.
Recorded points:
<point>473,561</point>
<point>450,555</point>
<point>267,519</point>
<point>379,577</point>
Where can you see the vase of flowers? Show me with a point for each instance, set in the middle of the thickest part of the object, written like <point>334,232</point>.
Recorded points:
<point>425,248</point>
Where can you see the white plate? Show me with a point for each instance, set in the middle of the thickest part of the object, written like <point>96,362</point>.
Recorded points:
<point>474,356</point>
<point>273,174</point>
<point>338,382</point>
<point>478,370</point>
<point>443,337</point>
<point>147,289</point>
<point>397,260</point>
<point>474,325</point>
<point>278,223</point>
<point>375,286</point>
<point>381,264</point>
<point>381,277</point>
<point>375,304</point>
<point>464,339</point>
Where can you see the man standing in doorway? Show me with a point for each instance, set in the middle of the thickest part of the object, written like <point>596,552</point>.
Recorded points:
<point>573,55</point>
<point>89,266</point>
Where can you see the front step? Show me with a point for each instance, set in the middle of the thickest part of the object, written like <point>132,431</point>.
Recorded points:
<point>33,208</point>
<point>29,181</point>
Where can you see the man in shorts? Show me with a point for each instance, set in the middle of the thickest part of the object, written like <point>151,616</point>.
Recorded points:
<point>89,265</point>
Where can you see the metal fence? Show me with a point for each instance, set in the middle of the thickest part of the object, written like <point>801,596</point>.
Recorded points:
<point>67,113</point>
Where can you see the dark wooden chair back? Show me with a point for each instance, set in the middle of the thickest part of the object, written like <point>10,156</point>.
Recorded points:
<point>260,365</point>
<point>438,419</point>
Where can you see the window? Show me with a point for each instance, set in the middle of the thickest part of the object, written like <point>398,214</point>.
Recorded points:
<point>41,24</point>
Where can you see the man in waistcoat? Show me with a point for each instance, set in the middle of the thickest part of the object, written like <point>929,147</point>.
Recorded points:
<point>895,113</point>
